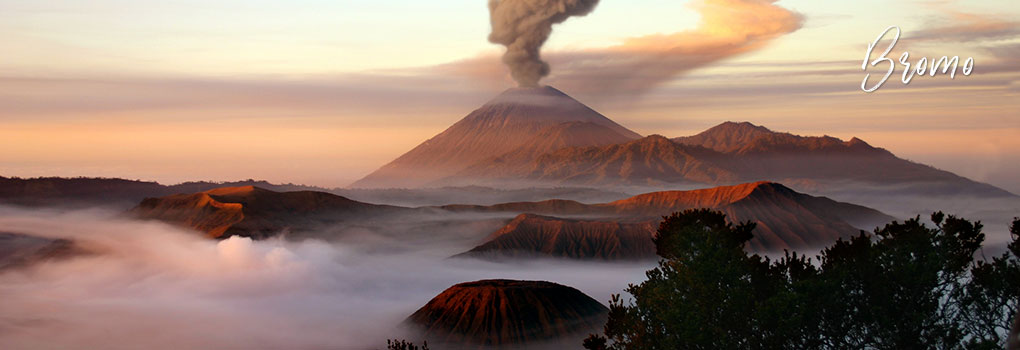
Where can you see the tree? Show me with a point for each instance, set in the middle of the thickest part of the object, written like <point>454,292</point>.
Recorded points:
<point>904,286</point>
<point>992,296</point>
<point>700,293</point>
<point>896,288</point>
<point>404,345</point>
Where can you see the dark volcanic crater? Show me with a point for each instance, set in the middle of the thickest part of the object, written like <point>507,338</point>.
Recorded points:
<point>507,314</point>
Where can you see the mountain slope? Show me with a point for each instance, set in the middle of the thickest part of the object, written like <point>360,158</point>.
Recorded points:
<point>530,235</point>
<point>653,160</point>
<point>509,166</point>
<point>500,314</point>
<point>255,212</point>
<point>507,123</point>
<point>21,250</point>
<point>757,153</point>
<point>785,219</point>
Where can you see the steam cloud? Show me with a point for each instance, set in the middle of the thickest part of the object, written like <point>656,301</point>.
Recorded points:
<point>154,286</point>
<point>523,26</point>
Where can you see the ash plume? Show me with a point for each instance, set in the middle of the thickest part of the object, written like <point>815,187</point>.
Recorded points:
<point>523,26</point>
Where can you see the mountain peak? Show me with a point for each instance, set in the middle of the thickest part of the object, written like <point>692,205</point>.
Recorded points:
<point>655,138</point>
<point>854,141</point>
<point>736,130</point>
<point>740,126</point>
<point>748,139</point>
<point>523,92</point>
<point>543,105</point>
<point>506,123</point>
<point>727,137</point>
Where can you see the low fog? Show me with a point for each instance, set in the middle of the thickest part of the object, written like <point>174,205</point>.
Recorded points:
<point>154,286</point>
<point>150,285</point>
<point>995,213</point>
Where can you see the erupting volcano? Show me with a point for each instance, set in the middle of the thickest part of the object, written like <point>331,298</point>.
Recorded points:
<point>518,121</point>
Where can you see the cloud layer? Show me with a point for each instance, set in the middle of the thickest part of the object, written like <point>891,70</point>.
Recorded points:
<point>152,286</point>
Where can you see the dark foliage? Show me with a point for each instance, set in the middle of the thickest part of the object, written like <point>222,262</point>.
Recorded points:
<point>905,286</point>
<point>404,345</point>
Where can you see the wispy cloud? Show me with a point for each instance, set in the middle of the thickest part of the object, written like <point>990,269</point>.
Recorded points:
<point>728,28</point>
<point>962,26</point>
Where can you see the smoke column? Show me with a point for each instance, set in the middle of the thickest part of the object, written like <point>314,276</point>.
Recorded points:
<point>523,26</point>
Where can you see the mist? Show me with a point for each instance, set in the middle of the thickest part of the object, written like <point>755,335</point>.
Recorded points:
<point>904,201</point>
<point>151,285</point>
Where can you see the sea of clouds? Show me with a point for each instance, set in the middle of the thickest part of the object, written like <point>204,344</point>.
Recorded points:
<point>155,286</point>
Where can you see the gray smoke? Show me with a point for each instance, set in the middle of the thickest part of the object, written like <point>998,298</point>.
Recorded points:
<point>523,26</point>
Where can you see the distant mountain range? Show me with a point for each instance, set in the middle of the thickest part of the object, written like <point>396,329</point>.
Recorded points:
<point>508,314</point>
<point>540,137</point>
<point>726,154</point>
<point>250,211</point>
<point>555,228</point>
<point>122,193</point>
<point>113,192</point>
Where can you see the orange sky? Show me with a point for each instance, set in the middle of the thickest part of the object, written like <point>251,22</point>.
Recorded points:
<point>325,107</point>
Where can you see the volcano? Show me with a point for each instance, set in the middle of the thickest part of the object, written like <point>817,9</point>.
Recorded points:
<point>729,153</point>
<point>504,314</point>
<point>540,137</point>
<point>520,121</point>
<point>623,229</point>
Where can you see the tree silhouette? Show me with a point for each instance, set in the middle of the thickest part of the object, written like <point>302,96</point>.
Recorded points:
<point>905,286</point>
<point>394,344</point>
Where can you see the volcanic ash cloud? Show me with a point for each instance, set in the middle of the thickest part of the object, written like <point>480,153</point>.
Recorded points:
<point>523,26</point>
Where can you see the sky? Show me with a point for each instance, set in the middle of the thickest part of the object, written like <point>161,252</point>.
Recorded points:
<point>323,92</point>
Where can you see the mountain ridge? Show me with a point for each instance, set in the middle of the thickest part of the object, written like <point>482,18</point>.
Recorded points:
<point>785,219</point>
<point>251,211</point>
<point>729,153</point>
